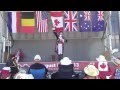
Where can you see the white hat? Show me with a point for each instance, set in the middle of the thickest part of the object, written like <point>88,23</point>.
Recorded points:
<point>101,58</point>
<point>6,68</point>
<point>23,76</point>
<point>91,70</point>
<point>65,61</point>
<point>37,58</point>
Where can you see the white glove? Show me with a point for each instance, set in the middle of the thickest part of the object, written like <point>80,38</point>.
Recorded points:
<point>53,28</point>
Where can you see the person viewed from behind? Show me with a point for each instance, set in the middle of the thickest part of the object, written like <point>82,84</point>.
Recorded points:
<point>91,72</point>
<point>105,69</point>
<point>23,75</point>
<point>5,72</point>
<point>37,69</point>
<point>65,70</point>
<point>10,68</point>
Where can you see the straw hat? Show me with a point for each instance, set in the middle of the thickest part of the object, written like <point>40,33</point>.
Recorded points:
<point>91,70</point>
<point>66,61</point>
<point>37,58</point>
<point>101,58</point>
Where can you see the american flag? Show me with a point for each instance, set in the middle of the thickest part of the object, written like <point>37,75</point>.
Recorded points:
<point>42,18</point>
<point>84,21</point>
<point>98,23</point>
<point>70,19</point>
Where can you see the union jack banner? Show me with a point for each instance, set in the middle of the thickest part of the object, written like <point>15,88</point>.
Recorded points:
<point>70,20</point>
<point>87,15</point>
<point>100,15</point>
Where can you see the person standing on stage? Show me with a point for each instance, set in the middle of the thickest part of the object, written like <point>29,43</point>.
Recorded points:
<point>59,47</point>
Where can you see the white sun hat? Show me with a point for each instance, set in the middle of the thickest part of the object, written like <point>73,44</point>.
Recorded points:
<point>37,58</point>
<point>91,70</point>
<point>101,58</point>
<point>66,61</point>
<point>6,68</point>
<point>23,76</point>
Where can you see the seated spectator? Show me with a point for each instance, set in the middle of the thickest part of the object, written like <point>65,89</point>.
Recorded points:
<point>105,70</point>
<point>5,73</point>
<point>91,72</point>
<point>116,59</point>
<point>65,70</point>
<point>81,74</point>
<point>37,69</point>
<point>10,69</point>
<point>23,76</point>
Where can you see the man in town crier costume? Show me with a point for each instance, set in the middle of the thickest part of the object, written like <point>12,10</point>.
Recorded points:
<point>59,46</point>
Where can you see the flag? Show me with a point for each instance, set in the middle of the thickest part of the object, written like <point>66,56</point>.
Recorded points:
<point>84,21</point>
<point>13,19</point>
<point>98,23</point>
<point>57,20</point>
<point>70,20</point>
<point>42,18</point>
<point>27,22</point>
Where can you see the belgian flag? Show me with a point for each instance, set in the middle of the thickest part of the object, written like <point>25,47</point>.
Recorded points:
<point>27,22</point>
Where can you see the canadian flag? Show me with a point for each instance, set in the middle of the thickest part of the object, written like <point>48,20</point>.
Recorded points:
<point>102,66</point>
<point>57,20</point>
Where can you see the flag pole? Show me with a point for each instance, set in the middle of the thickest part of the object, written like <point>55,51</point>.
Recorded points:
<point>3,38</point>
<point>8,43</point>
<point>110,34</point>
<point>119,27</point>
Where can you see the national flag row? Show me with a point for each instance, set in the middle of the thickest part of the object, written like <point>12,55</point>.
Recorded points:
<point>83,21</point>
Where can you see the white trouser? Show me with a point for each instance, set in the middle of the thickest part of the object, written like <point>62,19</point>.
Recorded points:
<point>60,48</point>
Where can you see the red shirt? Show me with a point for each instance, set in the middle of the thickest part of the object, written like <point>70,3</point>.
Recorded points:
<point>5,74</point>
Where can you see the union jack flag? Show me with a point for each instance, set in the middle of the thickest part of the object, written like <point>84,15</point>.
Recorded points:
<point>100,15</point>
<point>87,15</point>
<point>70,20</point>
